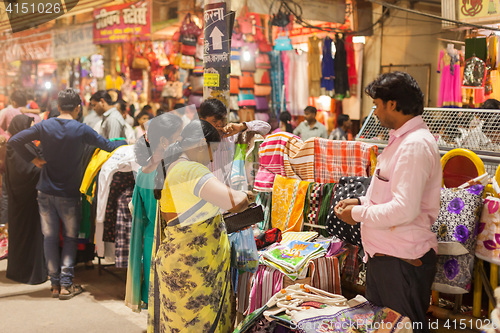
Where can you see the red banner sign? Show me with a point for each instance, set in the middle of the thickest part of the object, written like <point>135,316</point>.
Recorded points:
<point>122,23</point>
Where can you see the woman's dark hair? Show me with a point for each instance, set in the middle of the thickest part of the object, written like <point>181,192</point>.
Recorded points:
<point>191,136</point>
<point>139,116</point>
<point>20,123</point>
<point>491,104</point>
<point>68,100</point>
<point>399,87</point>
<point>342,119</point>
<point>147,108</point>
<point>285,117</point>
<point>19,97</point>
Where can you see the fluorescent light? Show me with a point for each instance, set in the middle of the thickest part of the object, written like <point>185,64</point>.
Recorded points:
<point>358,39</point>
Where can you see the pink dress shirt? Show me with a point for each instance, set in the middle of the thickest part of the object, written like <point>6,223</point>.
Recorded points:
<point>403,201</point>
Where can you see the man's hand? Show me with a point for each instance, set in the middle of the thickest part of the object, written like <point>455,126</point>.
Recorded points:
<point>38,162</point>
<point>344,214</point>
<point>233,128</point>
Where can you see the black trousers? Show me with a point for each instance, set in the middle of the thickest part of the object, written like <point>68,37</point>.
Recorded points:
<point>398,285</point>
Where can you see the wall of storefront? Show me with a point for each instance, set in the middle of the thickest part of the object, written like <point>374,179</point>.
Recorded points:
<point>406,39</point>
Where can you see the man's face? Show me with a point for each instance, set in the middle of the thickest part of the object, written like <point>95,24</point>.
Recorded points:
<point>97,107</point>
<point>310,116</point>
<point>383,112</point>
<point>348,123</point>
<point>219,124</point>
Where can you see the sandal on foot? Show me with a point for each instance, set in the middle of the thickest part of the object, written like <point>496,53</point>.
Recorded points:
<point>55,291</point>
<point>69,292</point>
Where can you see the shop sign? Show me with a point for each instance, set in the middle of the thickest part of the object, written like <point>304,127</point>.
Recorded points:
<point>33,44</point>
<point>478,11</point>
<point>74,42</point>
<point>122,23</point>
<point>216,45</point>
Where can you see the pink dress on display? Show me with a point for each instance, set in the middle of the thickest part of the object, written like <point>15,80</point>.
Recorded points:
<point>450,93</point>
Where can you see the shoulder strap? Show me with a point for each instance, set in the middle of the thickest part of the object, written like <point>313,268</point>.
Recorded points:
<point>187,214</point>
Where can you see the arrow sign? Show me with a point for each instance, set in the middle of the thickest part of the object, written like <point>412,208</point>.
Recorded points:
<point>216,36</point>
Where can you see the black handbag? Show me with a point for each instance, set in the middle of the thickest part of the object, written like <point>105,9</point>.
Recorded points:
<point>237,221</point>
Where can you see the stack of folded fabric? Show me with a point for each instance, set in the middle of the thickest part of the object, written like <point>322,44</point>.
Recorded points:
<point>293,258</point>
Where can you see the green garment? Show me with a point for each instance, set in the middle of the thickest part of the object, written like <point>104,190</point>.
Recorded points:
<point>141,240</point>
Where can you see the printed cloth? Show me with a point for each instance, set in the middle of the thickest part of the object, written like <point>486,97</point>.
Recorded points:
<point>267,238</point>
<point>271,158</point>
<point>335,159</point>
<point>265,199</point>
<point>348,187</point>
<point>288,203</point>
<point>95,164</point>
<point>456,225</point>
<point>488,239</point>
<point>123,229</point>
<point>361,316</point>
<point>454,274</point>
<point>299,159</point>
<point>122,181</point>
<point>325,274</point>
<point>318,203</point>
<point>267,282</point>
<point>304,236</point>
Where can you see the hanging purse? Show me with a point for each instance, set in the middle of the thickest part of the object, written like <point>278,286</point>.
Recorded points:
<point>262,90</point>
<point>237,40</point>
<point>235,53</point>
<point>233,103</point>
<point>234,85</point>
<point>474,72</point>
<point>245,20</point>
<point>187,62</point>
<point>189,30</point>
<point>246,98</point>
<point>247,60</point>
<point>189,50</point>
<point>198,67</point>
<point>263,61</point>
<point>235,68</point>
<point>237,221</point>
<point>246,114</point>
<point>246,80</point>
<point>196,84</point>
<point>261,103</point>
<point>283,43</point>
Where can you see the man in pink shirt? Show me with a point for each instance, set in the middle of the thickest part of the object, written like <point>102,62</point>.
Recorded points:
<point>401,203</point>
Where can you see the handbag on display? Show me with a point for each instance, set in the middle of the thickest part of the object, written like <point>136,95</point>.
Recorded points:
<point>198,67</point>
<point>189,50</point>
<point>233,103</point>
<point>262,42</point>
<point>261,103</point>
<point>236,40</point>
<point>196,84</point>
<point>234,85</point>
<point>283,43</point>
<point>262,90</point>
<point>237,221</point>
<point>187,62</point>
<point>263,61</point>
<point>140,62</point>
<point>172,89</point>
<point>235,68</point>
<point>261,76</point>
<point>195,100</point>
<point>474,72</point>
<point>247,60</point>
<point>245,21</point>
<point>246,114</point>
<point>235,53</point>
<point>246,80</point>
<point>246,98</point>
<point>189,30</point>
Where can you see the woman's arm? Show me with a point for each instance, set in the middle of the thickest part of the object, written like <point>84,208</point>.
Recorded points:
<point>224,197</point>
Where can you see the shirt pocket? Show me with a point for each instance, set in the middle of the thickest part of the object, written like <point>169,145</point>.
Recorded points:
<point>381,191</point>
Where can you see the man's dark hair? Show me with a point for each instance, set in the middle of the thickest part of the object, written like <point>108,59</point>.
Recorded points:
<point>147,108</point>
<point>180,108</point>
<point>122,105</point>
<point>311,109</point>
<point>19,97</point>
<point>139,116</point>
<point>491,104</point>
<point>342,119</point>
<point>212,108</point>
<point>102,94</point>
<point>399,87</point>
<point>68,100</point>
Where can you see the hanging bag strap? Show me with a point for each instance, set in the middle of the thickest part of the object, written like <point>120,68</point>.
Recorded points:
<point>187,214</point>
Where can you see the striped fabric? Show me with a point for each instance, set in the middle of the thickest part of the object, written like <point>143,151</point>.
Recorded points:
<point>243,291</point>
<point>299,159</point>
<point>271,159</point>
<point>325,274</point>
<point>267,282</point>
<point>289,195</point>
<point>304,236</point>
<point>335,159</point>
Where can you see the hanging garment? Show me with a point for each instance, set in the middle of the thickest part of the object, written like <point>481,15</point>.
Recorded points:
<point>288,203</point>
<point>318,202</point>
<point>271,157</point>
<point>277,81</point>
<point>347,188</point>
<point>341,74</point>
<point>114,83</point>
<point>314,60</point>
<point>327,67</point>
<point>476,47</point>
<point>243,291</point>
<point>351,64</point>
<point>141,241</point>
<point>25,261</point>
<point>335,159</point>
<point>252,158</point>
<point>450,93</point>
<point>266,282</point>
<point>265,200</point>
<point>285,59</point>
<point>123,229</point>
<point>492,51</point>
<point>299,159</point>
<point>98,159</point>
<point>298,83</point>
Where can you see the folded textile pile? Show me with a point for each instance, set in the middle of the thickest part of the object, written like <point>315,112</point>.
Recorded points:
<point>293,258</point>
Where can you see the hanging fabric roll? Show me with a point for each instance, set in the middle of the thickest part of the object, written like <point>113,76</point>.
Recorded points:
<point>327,68</point>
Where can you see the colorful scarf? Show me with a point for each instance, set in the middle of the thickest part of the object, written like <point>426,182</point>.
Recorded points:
<point>288,200</point>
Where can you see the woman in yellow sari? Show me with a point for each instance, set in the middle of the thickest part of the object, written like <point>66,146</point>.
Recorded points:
<point>190,282</point>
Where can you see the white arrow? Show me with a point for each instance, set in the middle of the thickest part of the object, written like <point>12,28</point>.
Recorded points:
<point>216,36</point>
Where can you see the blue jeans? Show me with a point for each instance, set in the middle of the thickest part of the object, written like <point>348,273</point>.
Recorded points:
<point>53,211</point>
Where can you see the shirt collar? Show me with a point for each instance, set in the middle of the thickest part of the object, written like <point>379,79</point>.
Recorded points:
<point>410,125</point>
<point>309,127</point>
<point>107,113</point>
